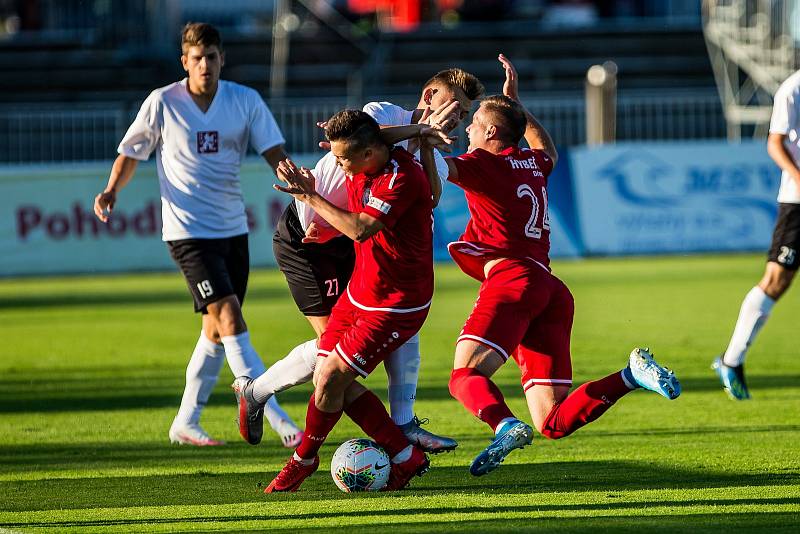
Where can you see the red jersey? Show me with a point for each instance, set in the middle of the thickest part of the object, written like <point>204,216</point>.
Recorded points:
<point>394,267</point>
<point>507,199</point>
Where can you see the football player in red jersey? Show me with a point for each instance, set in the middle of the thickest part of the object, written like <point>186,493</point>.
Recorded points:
<point>389,217</point>
<point>523,311</point>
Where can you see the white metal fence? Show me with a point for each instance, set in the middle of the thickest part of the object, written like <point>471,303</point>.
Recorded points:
<point>37,134</point>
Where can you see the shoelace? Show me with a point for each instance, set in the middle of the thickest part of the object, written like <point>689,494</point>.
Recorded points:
<point>419,422</point>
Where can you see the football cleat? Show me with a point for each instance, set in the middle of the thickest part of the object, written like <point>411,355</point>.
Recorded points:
<point>649,375</point>
<point>427,441</point>
<point>290,435</point>
<point>513,435</point>
<point>402,473</point>
<point>250,415</point>
<point>732,379</point>
<point>292,475</point>
<point>192,434</point>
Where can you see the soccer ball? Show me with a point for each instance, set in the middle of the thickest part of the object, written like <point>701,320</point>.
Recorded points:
<point>360,465</point>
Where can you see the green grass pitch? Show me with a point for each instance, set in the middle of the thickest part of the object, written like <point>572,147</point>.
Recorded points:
<point>92,372</point>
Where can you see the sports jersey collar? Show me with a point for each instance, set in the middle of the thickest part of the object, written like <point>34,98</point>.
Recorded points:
<point>212,109</point>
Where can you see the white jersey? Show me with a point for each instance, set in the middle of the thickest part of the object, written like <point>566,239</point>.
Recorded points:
<point>330,178</point>
<point>198,155</point>
<point>786,121</point>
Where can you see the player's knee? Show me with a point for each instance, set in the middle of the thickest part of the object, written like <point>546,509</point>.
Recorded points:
<point>457,379</point>
<point>331,380</point>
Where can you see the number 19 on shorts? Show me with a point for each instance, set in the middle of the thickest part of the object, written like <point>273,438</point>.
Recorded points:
<point>205,289</point>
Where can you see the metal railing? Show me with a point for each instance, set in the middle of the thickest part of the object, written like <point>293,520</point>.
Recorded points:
<point>36,134</point>
<point>752,45</point>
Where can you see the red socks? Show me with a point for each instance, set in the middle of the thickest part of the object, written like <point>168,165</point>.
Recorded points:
<point>479,395</point>
<point>368,412</point>
<point>318,426</point>
<point>584,405</point>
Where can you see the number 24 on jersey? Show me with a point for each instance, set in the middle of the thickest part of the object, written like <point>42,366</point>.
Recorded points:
<point>531,230</point>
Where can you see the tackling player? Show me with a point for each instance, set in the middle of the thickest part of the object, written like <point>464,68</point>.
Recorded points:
<point>201,128</point>
<point>317,261</point>
<point>523,311</point>
<point>783,146</point>
<point>387,299</point>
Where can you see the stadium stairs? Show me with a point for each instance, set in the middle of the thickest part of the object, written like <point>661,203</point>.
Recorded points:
<point>323,64</point>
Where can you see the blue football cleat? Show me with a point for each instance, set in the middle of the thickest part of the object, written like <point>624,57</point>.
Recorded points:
<point>732,379</point>
<point>513,435</point>
<point>649,375</point>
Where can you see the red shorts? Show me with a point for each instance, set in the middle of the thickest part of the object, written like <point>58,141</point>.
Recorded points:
<point>525,312</point>
<point>363,338</point>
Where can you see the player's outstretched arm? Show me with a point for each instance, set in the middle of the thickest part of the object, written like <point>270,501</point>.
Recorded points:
<point>121,173</point>
<point>535,134</point>
<point>777,151</point>
<point>429,165</point>
<point>300,184</point>
<point>274,156</point>
<point>436,134</point>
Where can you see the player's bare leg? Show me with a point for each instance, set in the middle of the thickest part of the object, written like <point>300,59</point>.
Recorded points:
<point>319,323</point>
<point>470,383</point>
<point>753,314</point>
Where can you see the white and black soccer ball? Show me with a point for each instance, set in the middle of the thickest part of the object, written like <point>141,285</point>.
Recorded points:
<point>360,465</point>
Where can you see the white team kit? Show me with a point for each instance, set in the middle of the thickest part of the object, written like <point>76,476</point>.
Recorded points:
<point>786,121</point>
<point>199,155</point>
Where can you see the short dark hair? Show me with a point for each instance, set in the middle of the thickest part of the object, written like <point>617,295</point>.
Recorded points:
<point>507,115</point>
<point>458,78</point>
<point>354,126</point>
<point>199,34</point>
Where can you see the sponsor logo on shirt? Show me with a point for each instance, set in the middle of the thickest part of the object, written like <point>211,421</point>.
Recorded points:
<point>207,142</point>
<point>379,205</point>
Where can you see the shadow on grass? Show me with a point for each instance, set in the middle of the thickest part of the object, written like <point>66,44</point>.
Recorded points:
<point>175,295</point>
<point>783,521</point>
<point>160,388</point>
<point>207,488</point>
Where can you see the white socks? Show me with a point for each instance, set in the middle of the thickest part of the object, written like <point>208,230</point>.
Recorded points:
<point>201,377</point>
<point>242,357</point>
<point>752,316</point>
<point>295,368</point>
<point>402,368</point>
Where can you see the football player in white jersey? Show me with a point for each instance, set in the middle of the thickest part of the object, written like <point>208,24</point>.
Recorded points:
<point>783,146</point>
<point>201,128</point>
<point>318,261</point>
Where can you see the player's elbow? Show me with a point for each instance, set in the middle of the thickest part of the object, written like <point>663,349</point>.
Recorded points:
<point>365,228</point>
<point>775,145</point>
<point>362,234</point>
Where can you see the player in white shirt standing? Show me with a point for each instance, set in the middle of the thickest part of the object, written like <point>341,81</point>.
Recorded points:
<point>200,128</point>
<point>318,261</point>
<point>783,146</point>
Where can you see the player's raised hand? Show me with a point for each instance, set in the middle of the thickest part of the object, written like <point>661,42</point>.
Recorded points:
<point>104,204</point>
<point>436,138</point>
<point>319,233</point>
<point>299,182</point>
<point>445,117</point>
<point>324,145</point>
<point>511,85</point>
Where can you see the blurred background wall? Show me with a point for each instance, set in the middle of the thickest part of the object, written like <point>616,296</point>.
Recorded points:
<point>681,75</point>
